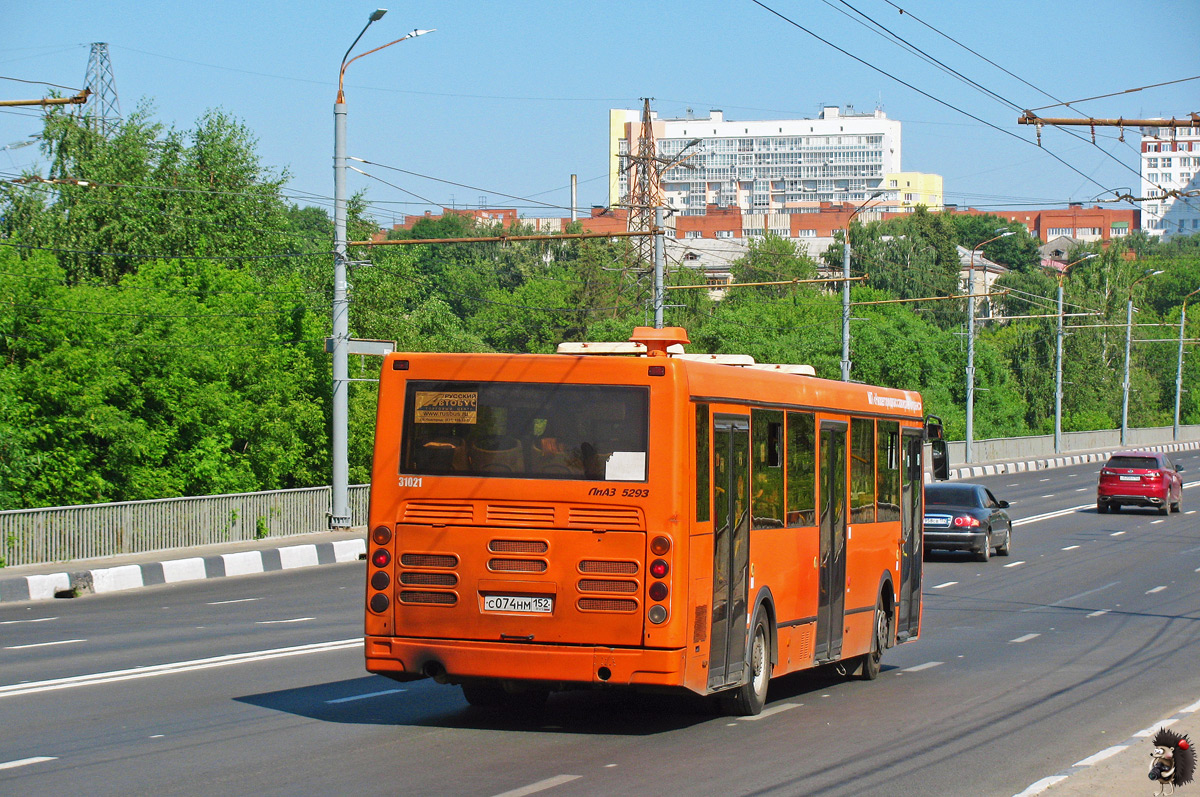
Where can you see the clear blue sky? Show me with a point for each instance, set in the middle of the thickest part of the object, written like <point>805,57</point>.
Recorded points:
<point>512,98</point>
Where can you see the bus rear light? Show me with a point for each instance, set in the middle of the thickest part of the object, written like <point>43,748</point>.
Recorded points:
<point>657,370</point>
<point>380,580</point>
<point>399,365</point>
<point>658,591</point>
<point>966,520</point>
<point>379,603</point>
<point>660,545</point>
<point>659,568</point>
<point>381,558</point>
<point>657,614</point>
<point>382,535</point>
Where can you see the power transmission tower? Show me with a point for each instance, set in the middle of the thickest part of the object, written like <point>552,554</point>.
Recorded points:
<point>103,112</point>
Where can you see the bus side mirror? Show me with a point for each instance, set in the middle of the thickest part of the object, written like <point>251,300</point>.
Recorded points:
<point>941,460</point>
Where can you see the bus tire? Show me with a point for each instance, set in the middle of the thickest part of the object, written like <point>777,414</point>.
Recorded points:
<point>749,698</point>
<point>484,693</point>
<point>872,662</point>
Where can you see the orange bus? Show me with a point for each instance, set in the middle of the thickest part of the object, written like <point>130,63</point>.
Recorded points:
<point>656,521</point>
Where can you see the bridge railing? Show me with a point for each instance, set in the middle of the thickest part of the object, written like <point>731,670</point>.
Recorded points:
<point>1015,449</point>
<point>62,533</point>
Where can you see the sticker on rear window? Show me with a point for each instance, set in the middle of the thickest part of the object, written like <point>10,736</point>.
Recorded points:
<point>442,407</point>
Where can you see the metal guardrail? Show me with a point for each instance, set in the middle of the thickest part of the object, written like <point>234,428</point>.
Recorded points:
<point>62,533</point>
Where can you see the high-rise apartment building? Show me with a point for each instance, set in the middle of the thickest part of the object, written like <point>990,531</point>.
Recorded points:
<point>1170,162</point>
<point>767,166</point>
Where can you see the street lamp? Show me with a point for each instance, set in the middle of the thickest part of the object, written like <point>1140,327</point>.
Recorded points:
<point>1179,366</point>
<point>971,341</point>
<point>1128,340</point>
<point>846,290</point>
<point>1058,353</point>
<point>339,517</point>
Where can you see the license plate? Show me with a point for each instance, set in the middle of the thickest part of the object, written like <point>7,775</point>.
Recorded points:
<point>1131,478</point>
<point>517,603</point>
<point>934,520</point>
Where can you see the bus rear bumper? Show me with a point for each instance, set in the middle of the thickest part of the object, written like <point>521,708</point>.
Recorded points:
<point>453,660</point>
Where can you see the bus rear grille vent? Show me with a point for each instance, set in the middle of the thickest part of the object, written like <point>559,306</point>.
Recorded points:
<point>437,512</point>
<point>520,515</point>
<point>429,579</point>
<point>604,518</point>
<point>518,546</point>
<point>602,585</point>
<point>517,565</point>
<point>428,560</point>
<point>600,566</point>
<point>441,598</point>
<point>700,630</point>
<point>607,605</point>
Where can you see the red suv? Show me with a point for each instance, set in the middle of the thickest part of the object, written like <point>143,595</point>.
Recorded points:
<point>1139,478</point>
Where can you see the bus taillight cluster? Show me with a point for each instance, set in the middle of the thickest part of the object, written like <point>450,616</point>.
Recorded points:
<point>659,568</point>
<point>380,580</point>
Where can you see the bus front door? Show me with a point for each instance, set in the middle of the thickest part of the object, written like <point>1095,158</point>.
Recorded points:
<point>731,549</point>
<point>831,600</point>
<point>908,612</point>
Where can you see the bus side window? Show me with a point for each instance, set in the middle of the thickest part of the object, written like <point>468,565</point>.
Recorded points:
<point>801,457</point>
<point>766,468</point>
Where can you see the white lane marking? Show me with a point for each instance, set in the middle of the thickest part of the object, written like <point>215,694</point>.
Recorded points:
<point>1156,589</point>
<point>1097,614</point>
<point>1082,489</point>
<point>22,762</point>
<point>1116,534</point>
<point>1070,547</point>
<point>1156,522</point>
<point>1096,758</point>
<point>1049,515</point>
<point>1043,480</point>
<point>277,622</point>
<point>541,785</point>
<point>768,712</point>
<point>352,698</point>
<point>44,644</point>
<point>239,600</point>
<point>1042,785</point>
<point>924,666</point>
<point>1190,512</point>
<point>1190,709</point>
<point>1014,564</point>
<point>158,736</point>
<point>947,584</point>
<point>150,671</point>
<point>1146,733</point>
<point>35,620</point>
<point>1025,638</point>
<point>1048,496</point>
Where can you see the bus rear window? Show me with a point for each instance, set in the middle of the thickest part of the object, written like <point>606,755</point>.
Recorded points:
<point>525,430</point>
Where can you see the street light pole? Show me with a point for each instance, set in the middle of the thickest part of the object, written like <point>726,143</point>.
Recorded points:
<point>1058,355</point>
<point>970,453</point>
<point>846,290</point>
<point>1128,340</point>
<point>1179,364</point>
<point>339,516</point>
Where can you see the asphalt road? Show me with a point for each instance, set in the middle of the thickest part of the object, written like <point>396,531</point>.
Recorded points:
<point>1087,633</point>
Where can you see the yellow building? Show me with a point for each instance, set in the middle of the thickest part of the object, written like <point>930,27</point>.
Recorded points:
<point>906,190</point>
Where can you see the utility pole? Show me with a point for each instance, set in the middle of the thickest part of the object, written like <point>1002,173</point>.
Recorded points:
<point>846,290</point>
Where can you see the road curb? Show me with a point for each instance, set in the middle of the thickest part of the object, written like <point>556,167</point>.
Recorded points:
<point>1048,463</point>
<point>97,581</point>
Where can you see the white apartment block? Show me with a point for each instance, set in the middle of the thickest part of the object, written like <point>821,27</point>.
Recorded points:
<point>1170,161</point>
<point>767,166</point>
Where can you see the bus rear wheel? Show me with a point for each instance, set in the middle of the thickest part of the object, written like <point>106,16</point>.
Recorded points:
<point>872,663</point>
<point>749,698</point>
<point>491,693</point>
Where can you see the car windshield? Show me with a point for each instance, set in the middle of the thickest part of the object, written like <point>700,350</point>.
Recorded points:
<point>1148,463</point>
<point>951,495</point>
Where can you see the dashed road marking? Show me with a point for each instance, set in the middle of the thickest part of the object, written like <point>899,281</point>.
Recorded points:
<point>24,762</point>
<point>352,698</point>
<point>239,600</point>
<point>1156,589</point>
<point>1025,638</point>
<point>770,711</point>
<point>1097,614</point>
<point>277,622</point>
<point>1014,564</point>
<point>947,584</point>
<point>927,665</point>
<point>541,785</point>
<point>34,620</point>
<point>1116,534</point>
<point>1070,547</point>
<point>44,644</point>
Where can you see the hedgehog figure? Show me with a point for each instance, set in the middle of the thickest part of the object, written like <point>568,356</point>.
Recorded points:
<point>1173,761</point>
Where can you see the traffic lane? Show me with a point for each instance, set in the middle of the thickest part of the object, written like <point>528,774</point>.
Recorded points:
<point>182,621</point>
